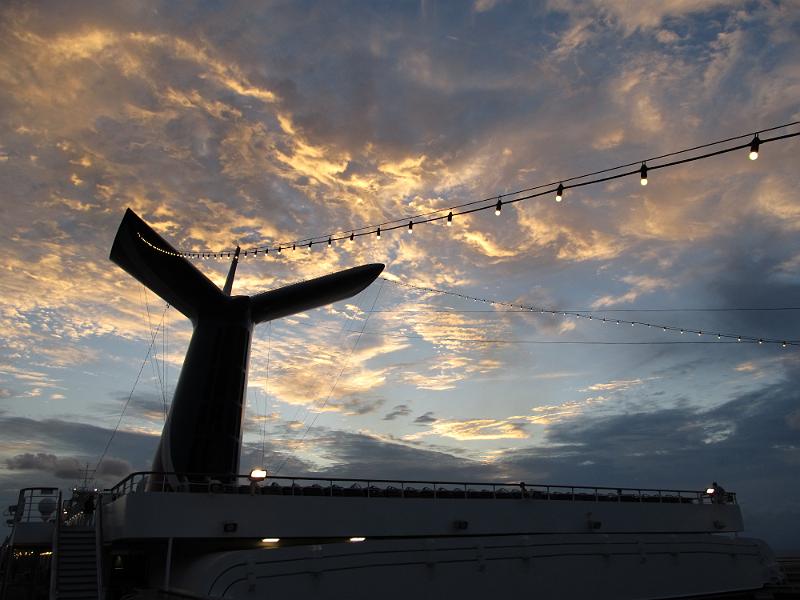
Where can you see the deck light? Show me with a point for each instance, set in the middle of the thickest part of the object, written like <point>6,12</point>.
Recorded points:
<point>754,147</point>
<point>498,207</point>
<point>710,491</point>
<point>357,539</point>
<point>643,172</point>
<point>411,227</point>
<point>560,192</point>
<point>257,474</point>
<point>270,540</point>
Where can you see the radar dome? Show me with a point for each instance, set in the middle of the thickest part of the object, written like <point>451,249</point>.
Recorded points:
<point>46,507</point>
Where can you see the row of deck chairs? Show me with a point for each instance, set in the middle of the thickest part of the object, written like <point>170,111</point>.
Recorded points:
<point>357,490</point>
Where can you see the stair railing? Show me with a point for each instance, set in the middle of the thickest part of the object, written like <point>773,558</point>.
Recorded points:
<point>98,544</point>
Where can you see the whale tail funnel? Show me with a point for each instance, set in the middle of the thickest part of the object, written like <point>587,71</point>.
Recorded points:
<point>203,432</point>
<point>150,259</point>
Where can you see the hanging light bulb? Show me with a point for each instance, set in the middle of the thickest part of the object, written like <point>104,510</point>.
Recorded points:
<point>330,242</point>
<point>450,219</point>
<point>279,249</point>
<point>498,207</point>
<point>559,192</point>
<point>352,237</point>
<point>643,172</point>
<point>294,246</point>
<point>266,252</point>
<point>309,245</point>
<point>256,252</point>
<point>410,227</point>
<point>378,233</point>
<point>754,147</point>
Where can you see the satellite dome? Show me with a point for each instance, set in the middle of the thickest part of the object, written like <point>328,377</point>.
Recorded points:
<point>46,508</point>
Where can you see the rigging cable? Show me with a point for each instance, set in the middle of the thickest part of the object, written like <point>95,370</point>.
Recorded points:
<point>590,317</point>
<point>130,395</point>
<point>338,376</point>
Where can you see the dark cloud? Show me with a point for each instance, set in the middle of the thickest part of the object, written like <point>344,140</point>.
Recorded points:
<point>69,467</point>
<point>401,410</point>
<point>425,419</point>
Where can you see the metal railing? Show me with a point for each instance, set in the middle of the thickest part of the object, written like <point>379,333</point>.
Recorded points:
<point>36,505</point>
<point>149,482</point>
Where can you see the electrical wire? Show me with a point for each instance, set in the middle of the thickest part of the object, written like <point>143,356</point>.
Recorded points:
<point>506,198</point>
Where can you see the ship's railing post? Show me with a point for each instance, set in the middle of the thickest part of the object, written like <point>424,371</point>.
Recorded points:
<point>54,556</point>
<point>368,486</point>
<point>402,489</point>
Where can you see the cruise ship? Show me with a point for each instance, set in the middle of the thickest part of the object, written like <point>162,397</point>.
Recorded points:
<point>195,526</point>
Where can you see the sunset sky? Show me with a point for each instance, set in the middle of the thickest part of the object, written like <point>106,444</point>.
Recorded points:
<point>229,123</point>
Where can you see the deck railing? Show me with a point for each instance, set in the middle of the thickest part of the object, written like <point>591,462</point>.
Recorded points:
<point>144,481</point>
<point>35,505</point>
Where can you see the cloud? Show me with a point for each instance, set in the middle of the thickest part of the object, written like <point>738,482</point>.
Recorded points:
<point>428,417</point>
<point>401,410</point>
<point>109,470</point>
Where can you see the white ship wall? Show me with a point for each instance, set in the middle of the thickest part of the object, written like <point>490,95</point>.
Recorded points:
<point>548,566</point>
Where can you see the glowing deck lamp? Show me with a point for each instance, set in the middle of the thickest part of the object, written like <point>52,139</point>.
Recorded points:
<point>270,540</point>
<point>711,491</point>
<point>257,474</point>
<point>357,539</point>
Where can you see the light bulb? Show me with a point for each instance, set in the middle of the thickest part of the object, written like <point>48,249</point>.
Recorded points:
<point>498,207</point>
<point>559,192</point>
<point>352,237</point>
<point>378,233</point>
<point>410,227</point>
<point>450,219</point>
<point>754,147</point>
<point>330,242</point>
<point>643,172</point>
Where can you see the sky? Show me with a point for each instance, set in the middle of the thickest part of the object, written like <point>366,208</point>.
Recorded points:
<point>260,123</point>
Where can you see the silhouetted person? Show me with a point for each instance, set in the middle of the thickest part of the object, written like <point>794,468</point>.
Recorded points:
<point>88,509</point>
<point>720,495</point>
<point>522,488</point>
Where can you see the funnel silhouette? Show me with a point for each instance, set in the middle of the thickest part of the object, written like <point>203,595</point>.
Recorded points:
<point>203,431</point>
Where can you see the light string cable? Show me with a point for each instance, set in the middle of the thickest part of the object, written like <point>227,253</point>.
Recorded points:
<point>345,364</point>
<point>497,201</point>
<point>133,389</point>
<point>589,316</point>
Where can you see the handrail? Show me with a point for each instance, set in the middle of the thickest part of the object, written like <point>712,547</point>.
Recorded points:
<point>214,482</point>
<point>98,544</point>
<point>54,556</point>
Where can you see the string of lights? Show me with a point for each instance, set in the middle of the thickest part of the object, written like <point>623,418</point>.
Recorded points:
<point>554,312</point>
<point>643,168</point>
